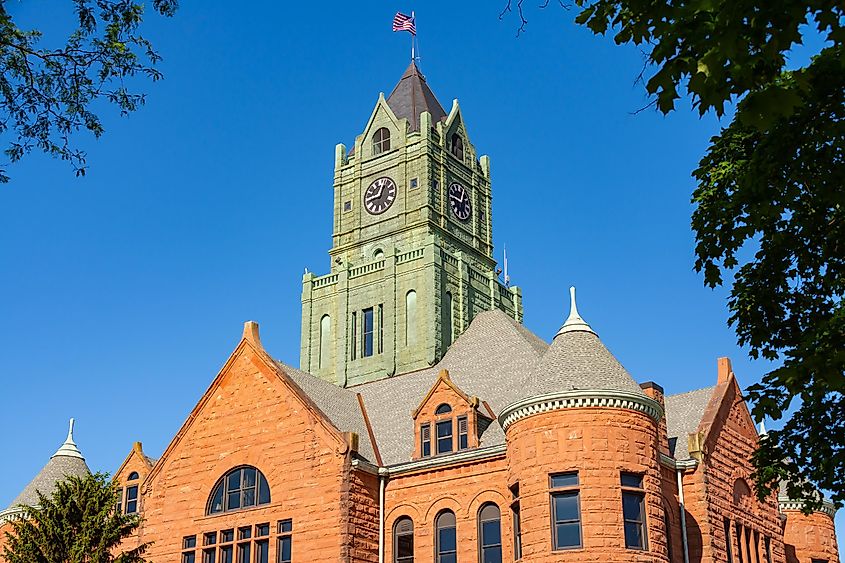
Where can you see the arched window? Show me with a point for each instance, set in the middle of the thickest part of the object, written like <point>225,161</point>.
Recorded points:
<point>448,319</point>
<point>489,534</point>
<point>242,487</point>
<point>325,340</point>
<point>133,476</point>
<point>457,146</point>
<point>411,318</point>
<point>378,254</point>
<point>381,141</point>
<point>445,538</point>
<point>443,409</point>
<point>403,540</point>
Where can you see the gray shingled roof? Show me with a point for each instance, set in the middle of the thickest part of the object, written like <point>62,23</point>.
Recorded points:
<point>485,361</point>
<point>412,96</point>
<point>338,404</point>
<point>57,469</point>
<point>683,415</point>
<point>578,360</point>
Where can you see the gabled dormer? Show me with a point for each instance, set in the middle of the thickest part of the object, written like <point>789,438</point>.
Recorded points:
<point>447,420</point>
<point>129,477</point>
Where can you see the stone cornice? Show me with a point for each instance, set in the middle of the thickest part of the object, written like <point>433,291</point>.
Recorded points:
<point>466,456</point>
<point>786,503</point>
<point>579,399</point>
<point>11,514</point>
<point>673,463</point>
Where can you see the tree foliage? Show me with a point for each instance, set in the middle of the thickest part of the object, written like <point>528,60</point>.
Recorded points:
<point>770,200</point>
<point>79,523</point>
<point>49,94</point>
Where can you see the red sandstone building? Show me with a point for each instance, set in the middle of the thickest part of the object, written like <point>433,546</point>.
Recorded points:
<point>505,448</point>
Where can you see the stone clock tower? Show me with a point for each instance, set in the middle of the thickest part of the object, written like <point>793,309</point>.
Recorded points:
<point>412,244</point>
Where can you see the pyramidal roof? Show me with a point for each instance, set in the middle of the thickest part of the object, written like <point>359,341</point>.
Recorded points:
<point>66,462</point>
<point>412,96</point>
<point>578,361</point>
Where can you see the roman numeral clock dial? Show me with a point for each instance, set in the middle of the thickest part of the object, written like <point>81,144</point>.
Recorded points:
<point>380,196</point>
<point>459,201</point>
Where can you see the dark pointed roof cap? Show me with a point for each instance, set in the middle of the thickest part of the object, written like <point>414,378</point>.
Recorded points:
<point>412,96</point>
<point>66,462</point>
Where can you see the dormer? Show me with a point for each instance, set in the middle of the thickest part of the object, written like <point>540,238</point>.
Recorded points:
<point>129,477</point>
<point>447,420</point>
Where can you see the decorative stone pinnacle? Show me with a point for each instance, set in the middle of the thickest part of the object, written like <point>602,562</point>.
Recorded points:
<point>574,323</point>
<point>69,448</point>
<point>763,432</point>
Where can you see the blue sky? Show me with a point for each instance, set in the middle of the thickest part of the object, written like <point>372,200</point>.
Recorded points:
<point>125,291</point>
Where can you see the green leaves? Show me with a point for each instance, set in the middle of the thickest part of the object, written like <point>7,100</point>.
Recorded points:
<point>79,523</point>
<point>45,94</point>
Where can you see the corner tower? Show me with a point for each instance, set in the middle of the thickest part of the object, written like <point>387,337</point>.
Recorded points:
<point>412,244</point>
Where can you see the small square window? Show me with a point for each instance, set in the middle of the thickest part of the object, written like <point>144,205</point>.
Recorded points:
<point>285,526</point>
<point>413,183</point>
<point>262,530</point>
<point>209,538</point>
<point>632,480</point>
<point>244,533</point>
<point>347,206</point>
<point>227,536</point>
<point>188,542</point>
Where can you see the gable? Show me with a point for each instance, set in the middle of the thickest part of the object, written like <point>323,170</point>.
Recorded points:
<point>444,391</point>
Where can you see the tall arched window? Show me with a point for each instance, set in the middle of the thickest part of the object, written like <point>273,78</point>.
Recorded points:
<point>489,534</point>
<point>457,146</point>
<point>411,318</point>
<point>448,319</point>
<point>325,340</point>
<point>403,540</point>
<point>446,538</point>
<point>242,487</point>
<point>381,141</point>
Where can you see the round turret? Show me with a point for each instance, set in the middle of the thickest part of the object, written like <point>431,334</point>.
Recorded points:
<point>583,455</point>
<point>808,537</point>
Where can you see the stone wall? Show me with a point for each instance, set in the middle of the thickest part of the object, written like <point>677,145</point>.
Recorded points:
<point>810,537</point>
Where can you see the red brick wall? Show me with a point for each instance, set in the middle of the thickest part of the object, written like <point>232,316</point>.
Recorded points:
<point>599,443</point>
<point>251,417</point>
<point>809,537</point>
<point>461,488</point>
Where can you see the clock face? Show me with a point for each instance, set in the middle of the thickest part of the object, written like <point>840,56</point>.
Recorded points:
<point>380,196</point>
<point>459,201</point>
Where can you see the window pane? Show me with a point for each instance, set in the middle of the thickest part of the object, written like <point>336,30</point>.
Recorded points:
<point>217,499</point>
<point>189,542</point>
<point>243,553</point>
<point>227,536</point>
<point>285,526</point>
<point>208,556</point>
<point>234,500</point>
<point>262,551</point>
<point>234,480</point>
<point>443,409</point>
<point>447,558</point>
<point>368,332</point>
<point>405,545</point>
<point>462,442</point>
<point>284,549</point>
<point>568,535</point>
<point>444,436</point>
<point>244,533</point>
<point>132,492</point>
<point>632,480</point>
<point>491,555</point>
<point>564,480</point>
<point>132,507</point>
<point>263,490</point>
<point>447,539</point>
<point>226,554</point>
<point>249,477</point>
<point>566,506</point>
<point>632,505</point>
<point>633,535</point>
<point>491,533</point>
<point>262,530</point>
<point>189,557</point>
<point>249,497</point>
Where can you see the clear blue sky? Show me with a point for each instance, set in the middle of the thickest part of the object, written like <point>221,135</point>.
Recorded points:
<point>124,292</point>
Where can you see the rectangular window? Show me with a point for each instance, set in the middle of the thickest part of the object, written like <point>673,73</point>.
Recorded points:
<point>189,557</point>
<point>262,530</point>
<point>354,339</point>
<point>227,535</point>
<point>728,547</point>
<point>748,543</point>
<point>262,551</point>
<point>243,553</point>
<point>367,333</point>
<point>189,543</point>
<point>425,440</point>
<point>768,542</point>
<point>209,538</point>
<point>738,528</point>
<point>284,541</point>
<point>208,555</point>
<point>517,524</point>
<point>757,546</point>
<point>566,510</point>
<point>463,438</point>
<point>226,554</point>
<point>132,499</point>
<point>444,436</point>
<point>633,511</point>
<point>380,329</point>
<point>119,504</point>
<point>347,206</point>
<point>414,183</point>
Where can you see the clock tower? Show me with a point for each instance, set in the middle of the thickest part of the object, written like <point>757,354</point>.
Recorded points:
<point>412,244</point>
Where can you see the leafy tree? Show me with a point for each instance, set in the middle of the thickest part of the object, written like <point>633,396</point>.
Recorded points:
<point>48,94</point>
<point>770,200</point>
<point>79,523</point>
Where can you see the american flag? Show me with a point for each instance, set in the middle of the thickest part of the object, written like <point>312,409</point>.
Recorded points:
<point>401,22</point>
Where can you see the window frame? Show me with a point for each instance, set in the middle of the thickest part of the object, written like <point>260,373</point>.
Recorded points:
<point>438,551</point>
<point>224,483</point>
<point>425,440</point>
<point>463,433</point>
<point>456,147</point>
<point>450,437</point>
<point>130,490</point>
<point>562,491</point>
<point>397,534</point>
<point>637,492</point>
<point>284,534</point>
<point>381,141</point>
<point>366,314</point>
<point>481,545</point>
<point>517,521</point>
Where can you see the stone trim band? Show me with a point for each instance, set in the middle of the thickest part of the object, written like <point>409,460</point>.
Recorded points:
<point>579,399</point>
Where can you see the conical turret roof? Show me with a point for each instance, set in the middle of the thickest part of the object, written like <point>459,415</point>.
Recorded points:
<point>577,360</point>
<point>412,96</point>
<point>66,462</point>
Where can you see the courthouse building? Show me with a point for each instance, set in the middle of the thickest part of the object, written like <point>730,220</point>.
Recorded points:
<point>426,424</point>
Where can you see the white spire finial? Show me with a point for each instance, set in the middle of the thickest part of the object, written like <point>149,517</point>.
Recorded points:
<point>69,448</point>
<point>763,432</point>
<point>574,323</point>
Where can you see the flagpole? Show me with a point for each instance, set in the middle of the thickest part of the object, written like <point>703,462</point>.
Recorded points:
<point>413,38</point>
